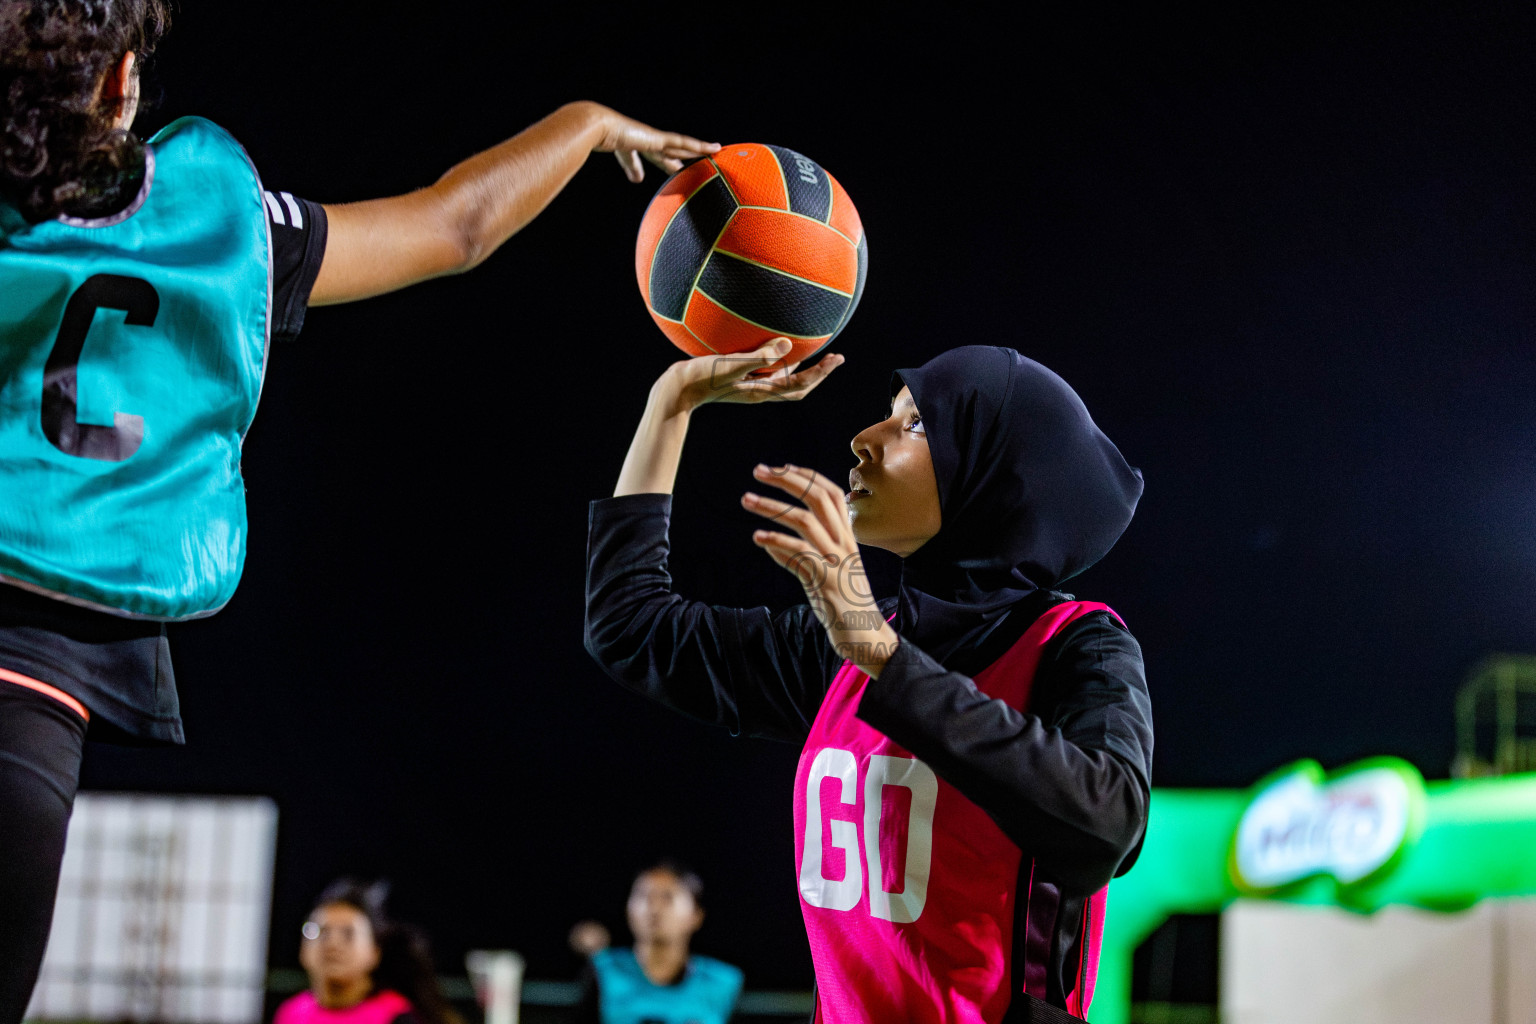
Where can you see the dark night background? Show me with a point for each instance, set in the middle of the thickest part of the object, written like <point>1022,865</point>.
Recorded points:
<point>1286,260</point>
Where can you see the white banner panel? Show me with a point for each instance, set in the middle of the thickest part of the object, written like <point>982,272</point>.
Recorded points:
<point>162,912</point>
<point>1287,964</point>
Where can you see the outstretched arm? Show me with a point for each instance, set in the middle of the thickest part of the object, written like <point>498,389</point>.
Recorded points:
<point>650,467</point>
<point>744,668</point>
<point>381,245</point>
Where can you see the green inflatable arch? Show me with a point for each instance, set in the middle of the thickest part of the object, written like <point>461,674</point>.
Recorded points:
<point>1366,836</point>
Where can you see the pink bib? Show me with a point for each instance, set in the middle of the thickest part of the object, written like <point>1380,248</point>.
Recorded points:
<point>907,887</point>
<point>379,1008</point>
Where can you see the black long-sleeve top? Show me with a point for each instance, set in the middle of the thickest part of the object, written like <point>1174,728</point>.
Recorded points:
<point>1068,781</point>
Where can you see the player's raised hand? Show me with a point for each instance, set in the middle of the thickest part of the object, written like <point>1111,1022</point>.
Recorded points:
<point>822,554</point>
<point>378,245</point>
<point>738,377</point>
<point>629,140</point>
<point>650,467</point>
<point>589,937</point>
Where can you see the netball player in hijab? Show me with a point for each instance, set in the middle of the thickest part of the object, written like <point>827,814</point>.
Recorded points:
<point>977,747</point>
<point>140,284</point>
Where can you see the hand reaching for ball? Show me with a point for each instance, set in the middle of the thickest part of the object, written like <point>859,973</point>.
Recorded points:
<point>688,384</point>
<point>630,140</point>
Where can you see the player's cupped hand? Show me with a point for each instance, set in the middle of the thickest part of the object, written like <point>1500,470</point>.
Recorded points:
<point>630,141</point>
<point>730,378</point>
<point>824,557</point>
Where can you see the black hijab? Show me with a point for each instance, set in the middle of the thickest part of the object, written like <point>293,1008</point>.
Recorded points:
<point>1031,493</point>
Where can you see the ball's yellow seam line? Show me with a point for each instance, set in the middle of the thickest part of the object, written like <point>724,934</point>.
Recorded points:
<point>727,181</point>
<point>685,327</point>
<point>813,220</point>
<point>783,273</point>
<point>754,323</point>
<point>695,334</point>
<point>782,179</point>
<point>709,256</point>
<point>846,314</point>
<point>650,279</point>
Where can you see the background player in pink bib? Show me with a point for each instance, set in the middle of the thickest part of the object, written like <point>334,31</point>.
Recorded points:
<point>363,967</point>
<point>977,749</point>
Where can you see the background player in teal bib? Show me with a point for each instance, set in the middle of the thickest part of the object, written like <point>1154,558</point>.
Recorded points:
<point>658,981</point>
<point>140,286</point>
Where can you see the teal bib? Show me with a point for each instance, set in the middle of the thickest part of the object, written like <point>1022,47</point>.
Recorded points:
<point>131,357</point>
<point>706,994</point>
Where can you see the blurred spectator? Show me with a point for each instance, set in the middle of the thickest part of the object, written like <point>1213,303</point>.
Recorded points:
<point>364,968</point>
<point>658,981</point>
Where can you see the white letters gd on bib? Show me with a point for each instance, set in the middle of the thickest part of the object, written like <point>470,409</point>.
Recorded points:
<point>901,907</point>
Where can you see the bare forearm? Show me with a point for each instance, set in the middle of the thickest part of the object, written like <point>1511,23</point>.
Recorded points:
<point>380,245</point>
<point>494,194</point>
<point>650,467</point>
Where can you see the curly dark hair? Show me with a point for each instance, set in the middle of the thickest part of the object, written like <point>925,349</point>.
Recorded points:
<point>59,151</point>
<point>405,961</point>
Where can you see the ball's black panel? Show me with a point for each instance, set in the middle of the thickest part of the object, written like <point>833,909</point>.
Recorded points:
<point>858,287</point>
<point>685,245</point>
<point>810,190</point>
<point>774,300</point>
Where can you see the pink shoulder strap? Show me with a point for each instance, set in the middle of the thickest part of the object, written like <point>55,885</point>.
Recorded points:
<point>1088,953</point>
<point>1051,622</point>
<point>1058,616</point>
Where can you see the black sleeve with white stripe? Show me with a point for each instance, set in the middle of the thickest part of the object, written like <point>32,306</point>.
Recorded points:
<point>298,246</point>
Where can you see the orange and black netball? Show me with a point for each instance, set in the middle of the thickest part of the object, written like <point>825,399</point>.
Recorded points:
<point>753,243</point>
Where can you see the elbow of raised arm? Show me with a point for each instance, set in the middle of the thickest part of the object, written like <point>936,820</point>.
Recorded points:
<point>1090,857</point>
<point>475,240</point>
<point>467,246</point>
<point>600,643</point>
<point>1129,828</point>
<point>616,648</point>
<point>1096,863</point>
<point>458,226</point>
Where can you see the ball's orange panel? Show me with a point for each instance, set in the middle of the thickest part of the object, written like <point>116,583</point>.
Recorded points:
<point>679,336</point>
<point>726,332</point>
<point>667,201</point>
<point>754,175</point>
<point>795,245</point>
<point>844,217</point>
